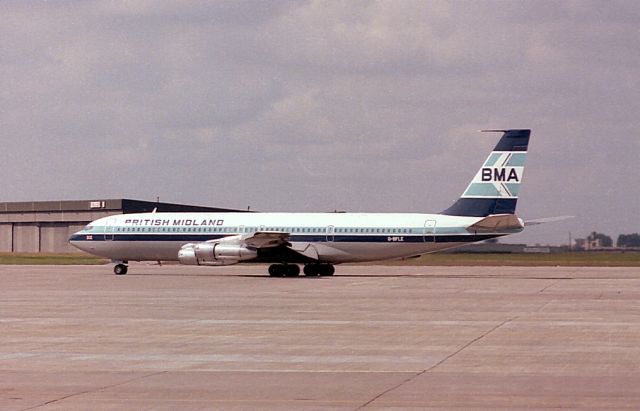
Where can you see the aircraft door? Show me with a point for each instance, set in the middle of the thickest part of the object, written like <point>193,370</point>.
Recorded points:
<point>429,231</point>
<point>330,233</point>
<point>108,229</point>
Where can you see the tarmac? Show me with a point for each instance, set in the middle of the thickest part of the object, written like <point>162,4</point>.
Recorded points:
<point>371,337</point>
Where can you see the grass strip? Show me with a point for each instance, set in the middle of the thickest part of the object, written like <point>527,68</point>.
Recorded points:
<point>49,259</point>
<point>568,259</point>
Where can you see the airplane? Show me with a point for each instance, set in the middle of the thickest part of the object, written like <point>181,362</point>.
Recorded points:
<point>319,241</point>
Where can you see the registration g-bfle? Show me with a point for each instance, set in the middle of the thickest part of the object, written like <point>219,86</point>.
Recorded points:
<point>319,241</point>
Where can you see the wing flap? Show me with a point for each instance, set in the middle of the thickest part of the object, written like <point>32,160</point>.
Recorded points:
<point>267,239</point>
<point>306,249</point>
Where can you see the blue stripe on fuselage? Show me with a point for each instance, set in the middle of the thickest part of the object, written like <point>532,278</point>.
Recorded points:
<point>315,238</point>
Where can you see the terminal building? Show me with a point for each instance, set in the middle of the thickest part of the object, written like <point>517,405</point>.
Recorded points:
<point>45,226</point>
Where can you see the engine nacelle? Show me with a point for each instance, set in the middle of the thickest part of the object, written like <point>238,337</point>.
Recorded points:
<point>214,253</point>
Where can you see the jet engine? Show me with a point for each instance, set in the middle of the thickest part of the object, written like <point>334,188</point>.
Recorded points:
<point>214,253</point>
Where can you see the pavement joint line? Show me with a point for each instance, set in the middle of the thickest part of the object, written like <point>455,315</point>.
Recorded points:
<point>462,276</point>
<point>106,387</point>
<point>549,286</point>
<point>433,367</point>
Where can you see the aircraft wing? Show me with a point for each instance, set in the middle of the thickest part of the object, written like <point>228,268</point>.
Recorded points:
<point>547,220</point>
<point>305,249</point>
<point>267,239</point>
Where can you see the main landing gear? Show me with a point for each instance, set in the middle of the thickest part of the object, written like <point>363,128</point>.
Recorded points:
<point>120,268</point>
<point>284,270</point>
<point>311,270</point>
<point>292,270</point>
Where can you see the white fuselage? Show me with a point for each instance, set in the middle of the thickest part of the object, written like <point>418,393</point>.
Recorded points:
<point>325,237</point>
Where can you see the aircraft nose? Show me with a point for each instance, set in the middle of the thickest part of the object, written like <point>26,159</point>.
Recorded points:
<point>78,241</point>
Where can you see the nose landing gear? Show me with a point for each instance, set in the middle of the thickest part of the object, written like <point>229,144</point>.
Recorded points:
<point>120,268</point>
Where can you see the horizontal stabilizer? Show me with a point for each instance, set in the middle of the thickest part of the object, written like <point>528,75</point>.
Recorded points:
<point>547,220</point>
<point>496,223</point>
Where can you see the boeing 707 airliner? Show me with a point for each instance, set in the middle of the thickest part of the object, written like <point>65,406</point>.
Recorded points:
<point>318,241</point>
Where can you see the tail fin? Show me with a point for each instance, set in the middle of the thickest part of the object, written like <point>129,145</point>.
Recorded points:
<point>494,189</point>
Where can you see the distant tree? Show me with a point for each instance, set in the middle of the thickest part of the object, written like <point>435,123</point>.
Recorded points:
<point>605,240</point>
<point>628,240</point>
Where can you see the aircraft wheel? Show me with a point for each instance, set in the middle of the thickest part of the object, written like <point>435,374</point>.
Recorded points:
<point>284,270</point>
<point>326,269</point>
<point>120,269</point>
<point>311,270</point>
<point>275,271</point>
<point>291,270</point>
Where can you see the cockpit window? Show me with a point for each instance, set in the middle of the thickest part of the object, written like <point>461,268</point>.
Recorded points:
<point>87,228</point>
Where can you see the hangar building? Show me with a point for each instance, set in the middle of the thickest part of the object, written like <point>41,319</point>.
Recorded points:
<point>45,226</point>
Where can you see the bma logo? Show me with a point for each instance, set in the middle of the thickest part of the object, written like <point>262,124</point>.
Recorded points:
<point>499,174</point>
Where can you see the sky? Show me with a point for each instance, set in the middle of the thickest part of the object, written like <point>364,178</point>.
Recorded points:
<point>319,106</point>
